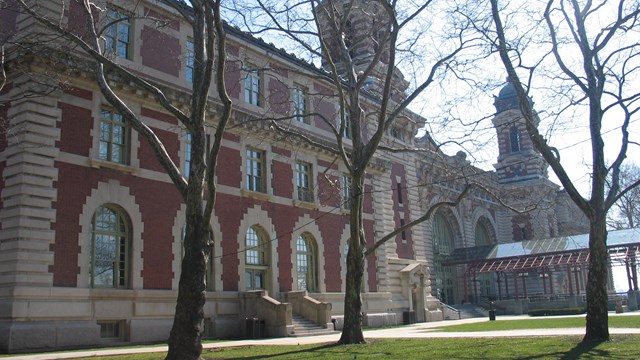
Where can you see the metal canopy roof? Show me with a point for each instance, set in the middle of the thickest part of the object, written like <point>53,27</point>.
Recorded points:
<point>553,252</point>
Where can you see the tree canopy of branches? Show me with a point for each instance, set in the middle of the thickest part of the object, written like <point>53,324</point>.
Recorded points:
<point>361,45</point>
<point>589,52</point>
<point>625,213</point>
<point>203,16</point>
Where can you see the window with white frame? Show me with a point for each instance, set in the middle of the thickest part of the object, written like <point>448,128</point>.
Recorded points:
<point>187,154</point>
<point>252,85</point>
<point>256,259</point>
<point>110,242</point>
<point>114,137</point>
<point>347,126</point>
<point>304,183</point>
<point>346,191</point>
<point>189,59</point>
<point>117,35</point>
<point>306,262</point>
<point>299,95</point>
<point>255,170</point>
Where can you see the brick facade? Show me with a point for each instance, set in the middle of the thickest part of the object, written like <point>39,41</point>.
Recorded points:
<point>53,180</point>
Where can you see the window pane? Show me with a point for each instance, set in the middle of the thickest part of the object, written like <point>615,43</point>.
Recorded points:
<point>189,61</point>
<point>442,236</point>
<point>346,191</point>
<point>253,252</point>
<point>258,280</point>
<point>299,104</point>
<point>252,86</point>
<point>248,280</point>
<point>113,137</point>
<point>116,154</point>
<point>303,182</point>
<point>117,35</point>
<point>305,264</point>
<point>109,248</point>
<point>187,154</point>
<point>254,166</point>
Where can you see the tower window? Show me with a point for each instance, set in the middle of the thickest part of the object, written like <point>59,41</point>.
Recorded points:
<point>514,137</point>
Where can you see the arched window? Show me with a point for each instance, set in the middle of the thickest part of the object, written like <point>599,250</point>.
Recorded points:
<point>110,243</point>
<point>482,234</point>
<point>256,259</point>
<point>442,236</point>
<point>443,244</point>
<point>514,137</point>
<point>306,263</point>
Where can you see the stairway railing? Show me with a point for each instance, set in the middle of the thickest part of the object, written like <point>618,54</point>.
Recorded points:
<point>310,308</point>
<point>450,309</point>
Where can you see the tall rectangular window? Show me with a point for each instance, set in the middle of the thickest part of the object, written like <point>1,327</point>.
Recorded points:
<point>118,35</point>
<point>346,191</point>
<point>255,170</point>
<point>252,86</point>
<point>303,182</point>
<point>114,137</point>
<point>347,126</point>
<point>187,154</point>
<point>189,58</point>
<point>300,104</point>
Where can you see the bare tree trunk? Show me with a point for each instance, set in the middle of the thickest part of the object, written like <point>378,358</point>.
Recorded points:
<point>352,327</point>
<point>185,340</point>
<point>597,328</point>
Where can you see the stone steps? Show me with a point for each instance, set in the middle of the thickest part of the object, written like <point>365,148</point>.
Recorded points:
<point>304,327</point>
<point>467,312</point>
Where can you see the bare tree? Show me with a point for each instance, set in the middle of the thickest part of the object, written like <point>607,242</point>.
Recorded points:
<point>625,213</point>
<point>590,52</point>
<point>208,33</point>
<point>361,45</point>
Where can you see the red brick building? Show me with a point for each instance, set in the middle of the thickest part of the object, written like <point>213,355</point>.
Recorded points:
<point>91,226</point>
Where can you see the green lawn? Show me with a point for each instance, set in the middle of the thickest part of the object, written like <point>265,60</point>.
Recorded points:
<point>621,347</point>
<point>540,323</point>
<point>566,347</point>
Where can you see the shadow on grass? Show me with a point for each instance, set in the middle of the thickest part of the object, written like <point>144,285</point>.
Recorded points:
<point>312,353</point>
<point>581,349</point>
<point>307,352</point>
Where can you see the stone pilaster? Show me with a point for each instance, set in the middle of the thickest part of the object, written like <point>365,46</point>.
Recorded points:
<point>28,195</point>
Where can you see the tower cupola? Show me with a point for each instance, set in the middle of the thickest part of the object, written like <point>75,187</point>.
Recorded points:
<point>517,160</point>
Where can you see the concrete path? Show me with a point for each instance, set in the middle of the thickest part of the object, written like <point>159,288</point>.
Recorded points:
<point>422,330</point>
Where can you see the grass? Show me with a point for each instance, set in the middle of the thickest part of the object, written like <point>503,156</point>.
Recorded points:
<point>621,347</point>
<point>540,323</point>
<point>566,347</point>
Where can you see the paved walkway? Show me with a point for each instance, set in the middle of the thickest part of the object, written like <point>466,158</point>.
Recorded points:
<point>422,330</point>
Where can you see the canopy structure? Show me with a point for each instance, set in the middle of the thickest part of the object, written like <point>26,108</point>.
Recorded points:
<point>566,253</point>
<point>546,253</point>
